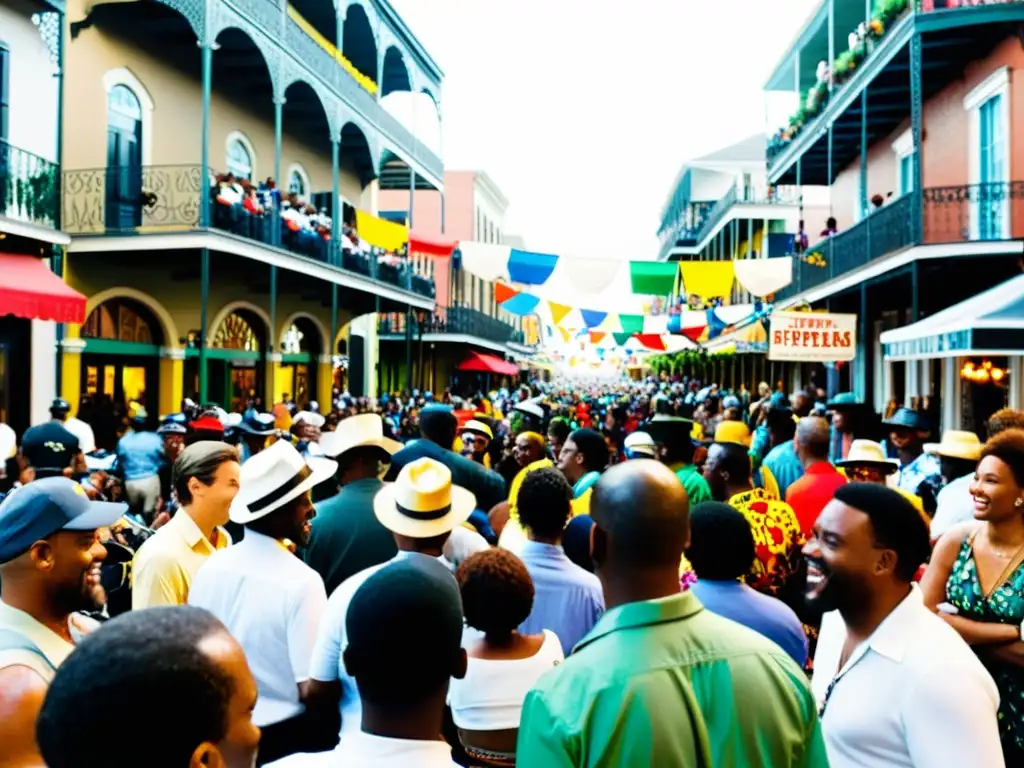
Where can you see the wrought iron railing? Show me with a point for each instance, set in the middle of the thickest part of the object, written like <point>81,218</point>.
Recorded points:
<point>162,199</point>
<point>29,186</point>
<point>461,320</point>
<point>957,214</point>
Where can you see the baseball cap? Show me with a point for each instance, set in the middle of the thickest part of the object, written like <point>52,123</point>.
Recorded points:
<point>49,447</point>
<point>46,506</point>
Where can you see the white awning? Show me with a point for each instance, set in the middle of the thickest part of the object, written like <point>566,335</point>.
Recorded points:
<point>991,323</point>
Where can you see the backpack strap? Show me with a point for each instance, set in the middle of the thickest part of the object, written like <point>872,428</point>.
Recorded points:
<point>15,641</point>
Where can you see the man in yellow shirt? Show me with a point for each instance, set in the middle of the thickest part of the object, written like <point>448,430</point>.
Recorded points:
<point>205,480</point>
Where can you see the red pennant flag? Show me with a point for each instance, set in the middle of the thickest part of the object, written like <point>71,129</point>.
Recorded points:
<point>503,292</point>
<point>651,341</point>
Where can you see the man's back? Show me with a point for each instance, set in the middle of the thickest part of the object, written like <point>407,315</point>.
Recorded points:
<point>346,537</point>
<point>809,494</point>
<point>665,682</point>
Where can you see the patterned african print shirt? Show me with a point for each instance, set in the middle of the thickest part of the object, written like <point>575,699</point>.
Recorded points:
<point>777,539</point>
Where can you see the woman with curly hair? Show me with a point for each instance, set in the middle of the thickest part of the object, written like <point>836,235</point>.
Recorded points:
<point>497,596</point>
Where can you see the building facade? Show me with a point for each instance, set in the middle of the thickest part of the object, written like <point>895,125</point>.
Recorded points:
<point>30,236</point>
<point>467,316</point>
<point>907,113</point>
<point>227,154</point>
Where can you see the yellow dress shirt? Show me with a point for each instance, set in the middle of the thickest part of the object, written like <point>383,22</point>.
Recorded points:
<point>165,565</point>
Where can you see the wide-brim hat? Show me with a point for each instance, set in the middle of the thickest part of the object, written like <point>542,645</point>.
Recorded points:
<point>732,432</point>
<point>904,418</point>
<point>364,430</point>
<point>315,420</point>
<point>870,453</point>
<point>260,424</point>
<point>843,400</point>
<point>422,502</point>
<point>275,476</point>
<point>956,444</point>
<point>477,427</point>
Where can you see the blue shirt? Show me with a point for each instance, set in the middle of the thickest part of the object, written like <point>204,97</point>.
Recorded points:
<point>140,454</point>
<point>784,465</point>
<point>766,615</point>
<point>567,599</point>
<point>585,483</point>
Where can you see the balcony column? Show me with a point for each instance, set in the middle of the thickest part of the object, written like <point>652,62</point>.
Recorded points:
<point>1016,394</point>
<point>916,120</point>
<point>273,345</point>
<point>861,363</point>
<point>863,201</point>
<point>332,343</point>
<point>278,123</point>
<point>336,212</point>
<point>172,379</point>
<point>408,347</point>
<point>204,300</point>
<point>207,50</point>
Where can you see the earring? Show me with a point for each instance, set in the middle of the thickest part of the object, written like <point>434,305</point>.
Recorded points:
<point>1018,503</point>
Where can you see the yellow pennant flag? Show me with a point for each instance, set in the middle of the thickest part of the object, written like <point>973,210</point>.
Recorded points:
<point>558,312</point>
<point>380,232</point>
<point>566,335</point>
<point>707,279</point>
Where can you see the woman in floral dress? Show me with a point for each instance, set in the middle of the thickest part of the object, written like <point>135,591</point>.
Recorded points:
<point>976,579</point>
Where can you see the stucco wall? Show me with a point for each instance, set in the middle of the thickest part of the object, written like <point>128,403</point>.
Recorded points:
<point>32,109</point>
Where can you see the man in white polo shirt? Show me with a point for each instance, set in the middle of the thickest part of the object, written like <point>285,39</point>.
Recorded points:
<point>421,508</point>
<point>895,685</point>
<point>50,556</point>
<point>270,600</point>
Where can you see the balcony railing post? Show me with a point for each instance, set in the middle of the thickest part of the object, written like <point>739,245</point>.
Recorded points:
<point>916,119</point>
<point>275,233</point>
<point>207,76</point>
<point>336,217</point>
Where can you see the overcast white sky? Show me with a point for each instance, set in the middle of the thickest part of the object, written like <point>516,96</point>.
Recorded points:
<point>582,111</point>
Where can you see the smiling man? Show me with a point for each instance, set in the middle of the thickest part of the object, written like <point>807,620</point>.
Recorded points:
<point>895,685</point>
<point>50,555</point>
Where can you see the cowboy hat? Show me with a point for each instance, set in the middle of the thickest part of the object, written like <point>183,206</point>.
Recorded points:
<point>366,429</point>
<point>956,444</point>
<point>275,476</point>
<point>422,502</point>
<point>870,453</point>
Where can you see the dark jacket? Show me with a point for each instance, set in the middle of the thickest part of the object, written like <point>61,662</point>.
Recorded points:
<point>487,486</point>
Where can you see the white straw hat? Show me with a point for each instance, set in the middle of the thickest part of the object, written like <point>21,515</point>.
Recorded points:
<point>422,502</point>
<point>956,444</point>
<point>869,452</point>
<point>275,476</point>
<point>366,429</point>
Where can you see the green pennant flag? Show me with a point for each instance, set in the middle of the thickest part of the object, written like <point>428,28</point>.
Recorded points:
<point>653,278</point>
<point>622,338</point>
<point>632,323</point>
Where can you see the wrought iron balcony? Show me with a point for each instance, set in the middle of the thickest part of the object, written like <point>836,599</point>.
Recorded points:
<point>29,187</point>
<point>169,199</point>
<point>457,320</point>
<point>959,214</point>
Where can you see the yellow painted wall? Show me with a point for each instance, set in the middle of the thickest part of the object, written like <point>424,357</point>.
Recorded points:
<point>171,384</point>
<point>177,118</point>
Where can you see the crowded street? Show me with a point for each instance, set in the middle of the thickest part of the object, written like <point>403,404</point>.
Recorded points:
<point>320,448</point>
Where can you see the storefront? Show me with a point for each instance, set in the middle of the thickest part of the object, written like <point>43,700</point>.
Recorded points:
<point>979,344</point>
<point>121,354</point>
<point>235,362</point>
<point>296,376</point>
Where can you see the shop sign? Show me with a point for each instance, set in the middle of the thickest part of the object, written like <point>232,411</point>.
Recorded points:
<point>812,337</point>
<point>937,344</point>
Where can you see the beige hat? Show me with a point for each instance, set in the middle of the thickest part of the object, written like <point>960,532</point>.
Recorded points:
<point>275,476</point>
<point>366,429</point>
<point>956,444</point>
<point>871,453</point>
<point>422,502</point>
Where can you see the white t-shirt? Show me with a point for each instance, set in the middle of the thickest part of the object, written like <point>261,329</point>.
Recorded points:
<point>955,506</point>
<point>490,697</point>
<point>272,603</point>
<point>364,750</point>
<point>913,695</point>
<point>54,647</point>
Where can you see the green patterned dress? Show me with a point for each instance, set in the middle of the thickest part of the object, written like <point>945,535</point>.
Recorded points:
<point>1005,605</point>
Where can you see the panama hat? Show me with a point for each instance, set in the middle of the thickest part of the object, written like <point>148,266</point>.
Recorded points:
<point>478,428</point>
<point>956,444</point>
<point>275,476</point>
<point>366,429</point>
<point>422,502</point>
<point>868,452</point>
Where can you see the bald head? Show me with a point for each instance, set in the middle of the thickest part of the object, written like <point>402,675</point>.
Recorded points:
<point>812,439</point>
<point>642,510</point>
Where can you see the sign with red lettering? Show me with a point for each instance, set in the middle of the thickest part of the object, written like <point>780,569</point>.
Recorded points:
<point>812,337</point>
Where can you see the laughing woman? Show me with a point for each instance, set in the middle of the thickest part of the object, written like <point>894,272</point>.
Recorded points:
<point>976,579</point>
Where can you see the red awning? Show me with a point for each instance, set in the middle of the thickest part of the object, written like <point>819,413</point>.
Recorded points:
<point>29,289</point>
<point>432,246</point>
<point>477,361</point>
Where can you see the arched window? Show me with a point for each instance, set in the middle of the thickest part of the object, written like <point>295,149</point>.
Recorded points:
<point>298,182</point>
<point>236,333</point>
<point>124,102</point>
<point>120,320</point>
<point>241,160</point>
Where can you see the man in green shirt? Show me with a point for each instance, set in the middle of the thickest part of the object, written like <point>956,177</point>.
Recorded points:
<point>660,681</point>
<point>675,447</point>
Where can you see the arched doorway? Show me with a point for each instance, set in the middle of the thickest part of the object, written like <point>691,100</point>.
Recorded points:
<point>301,347</point>
<point>124,159</point>
<point>121,359</point>
<point>234,365</point>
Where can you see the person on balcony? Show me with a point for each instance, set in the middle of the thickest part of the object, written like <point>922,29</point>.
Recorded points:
<point>831,227</point>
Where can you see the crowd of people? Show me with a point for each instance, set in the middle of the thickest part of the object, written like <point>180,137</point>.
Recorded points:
<point>638,573</point>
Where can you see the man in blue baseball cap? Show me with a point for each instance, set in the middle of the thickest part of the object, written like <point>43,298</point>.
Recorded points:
<point>50,556</point>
